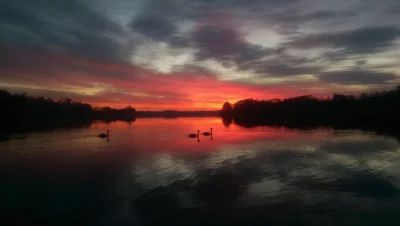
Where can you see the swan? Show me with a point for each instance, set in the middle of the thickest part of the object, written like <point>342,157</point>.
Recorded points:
<point>103,135</point>
<point>193,135</point>
<point>208,133</point>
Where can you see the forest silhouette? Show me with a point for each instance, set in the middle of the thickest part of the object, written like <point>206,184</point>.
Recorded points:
<point>379,109</point>
<point>21,112</point>
<point>374,110</point>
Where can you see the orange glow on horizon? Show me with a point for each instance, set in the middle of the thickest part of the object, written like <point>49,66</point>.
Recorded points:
<point>119,85</point>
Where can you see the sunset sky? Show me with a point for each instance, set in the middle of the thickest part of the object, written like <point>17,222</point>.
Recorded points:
<point>197,54</point>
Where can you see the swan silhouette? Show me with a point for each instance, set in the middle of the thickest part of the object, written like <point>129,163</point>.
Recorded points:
<point>208,133</point>
<point>193,135</point>
<point>103,135</point>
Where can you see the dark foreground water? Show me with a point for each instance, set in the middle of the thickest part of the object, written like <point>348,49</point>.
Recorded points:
<point>150,173</point>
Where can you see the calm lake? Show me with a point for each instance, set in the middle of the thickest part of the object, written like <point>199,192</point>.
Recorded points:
<point>150,173</point>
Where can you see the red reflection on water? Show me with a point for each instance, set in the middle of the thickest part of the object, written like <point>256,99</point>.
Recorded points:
<point>80,150</point>
<point>160,134</point>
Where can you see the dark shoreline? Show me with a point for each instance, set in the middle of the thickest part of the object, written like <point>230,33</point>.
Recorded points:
<point>377,111</point>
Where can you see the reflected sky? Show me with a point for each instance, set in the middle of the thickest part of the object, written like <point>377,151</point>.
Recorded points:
<point>150,166</point>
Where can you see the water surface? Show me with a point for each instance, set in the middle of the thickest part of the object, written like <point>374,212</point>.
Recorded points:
<point>150,173</point>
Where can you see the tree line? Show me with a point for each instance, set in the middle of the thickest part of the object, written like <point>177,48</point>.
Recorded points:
<point>23,112</point>
<point>381,108</point>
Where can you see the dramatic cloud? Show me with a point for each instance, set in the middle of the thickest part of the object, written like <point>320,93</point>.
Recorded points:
<point>357,77</point>
<point>394,10</point>
<point>286,70</point>
<point>118,85</point>
<point>218,42</point>
<point>364,40</point>
<point>225,44</point>
<point>196,54</point>
<point>156,28</point>
<point>62,26</point>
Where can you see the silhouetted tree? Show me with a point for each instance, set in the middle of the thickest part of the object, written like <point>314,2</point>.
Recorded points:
<point>226,110</point>
<point>227,121</point>
<point>22,112</point>
<point>375,108</point>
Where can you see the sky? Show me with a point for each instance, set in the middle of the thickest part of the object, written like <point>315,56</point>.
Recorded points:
<point>197,54</point>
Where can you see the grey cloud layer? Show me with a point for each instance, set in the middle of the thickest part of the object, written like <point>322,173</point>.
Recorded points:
<point>153,27</point>
<point>364,40</point>
<point>226,45</point>
<point>357,77</point>
<point>60,25</point>
<point>80,29</point>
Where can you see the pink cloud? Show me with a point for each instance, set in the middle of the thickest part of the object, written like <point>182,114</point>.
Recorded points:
<point>129,84</point>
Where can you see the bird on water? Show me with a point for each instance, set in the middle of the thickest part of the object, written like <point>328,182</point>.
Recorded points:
<point>208,133</point>
<point>193,135</point>
<point>103,135</point>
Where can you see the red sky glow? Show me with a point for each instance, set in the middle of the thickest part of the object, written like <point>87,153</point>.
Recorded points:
<point>195,55</point>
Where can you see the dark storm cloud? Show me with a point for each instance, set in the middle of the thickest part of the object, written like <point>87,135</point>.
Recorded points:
<point>361,62</point>
<point>227,46</point>
<point>356,77</point>
<point>79,29</point>
<point>363,40</point>
<point>195,8</point>
<point>257,5</point>
<point>156,28</point>
<point>165,8</point>
<point>279,63</point>
<point>157,18</point>
<point>222,42</point>
<point>282,70</point>
<point>395,10</point>
<point>217,42</point>
<point>194,71</point>
<point>42,14</point>
<point>250,52</point>
<point>60,25</point>
<point>34,64</point>
<point>288,21</point>
<point>320,15</point>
